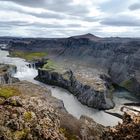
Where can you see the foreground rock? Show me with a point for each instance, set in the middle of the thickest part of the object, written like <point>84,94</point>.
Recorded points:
<point>128,130</point>
<point>94,94</point>
<point>28,119</point>
<point>33,114</point>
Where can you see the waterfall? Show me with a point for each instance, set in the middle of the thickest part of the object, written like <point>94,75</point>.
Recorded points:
<point>26,72</point>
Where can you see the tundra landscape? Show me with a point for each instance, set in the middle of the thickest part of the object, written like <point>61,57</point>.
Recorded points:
<point>70,81</point>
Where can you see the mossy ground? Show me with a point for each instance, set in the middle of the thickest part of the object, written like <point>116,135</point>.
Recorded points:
<point>53,66</point>
<point>7,91</point>
<point>50,65</point>
<point>127,84</point>
<point>29,56</point>
<point>20,135</point>
<point>28,116</point>
<point>67,134</point>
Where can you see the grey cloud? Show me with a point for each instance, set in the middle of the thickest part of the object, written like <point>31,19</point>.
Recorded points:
<point>91,19</point>
<point>44,14</point>
<point>121,21</point>
<point>13,23</point>
<point>50,15</point>
<point>30,3</point>
<point>64,6</point>
<point>46,25</point>
<point>35,24</point>
<point>54,25</point>
<point>74,25</point>
<point>135,6</point>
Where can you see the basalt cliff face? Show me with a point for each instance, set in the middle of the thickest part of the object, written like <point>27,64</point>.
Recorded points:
<point>96,97</point>
<point>119,57</point>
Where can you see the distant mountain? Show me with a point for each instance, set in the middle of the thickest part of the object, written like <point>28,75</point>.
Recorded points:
<point>87,36</point>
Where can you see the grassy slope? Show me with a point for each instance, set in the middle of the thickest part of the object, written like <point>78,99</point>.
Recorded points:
<point>28,55</point>
<point>8,91</point>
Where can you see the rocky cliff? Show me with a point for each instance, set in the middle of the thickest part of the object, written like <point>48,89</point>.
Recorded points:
<point>128,130</point>
<point>31,113</point>
<point>93,96</point>
<point>120,57</point>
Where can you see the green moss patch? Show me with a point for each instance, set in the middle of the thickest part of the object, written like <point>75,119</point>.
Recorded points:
<point>68,135</point>
<point>127,84</point>
<point>27,116</point>
<point>50,65</point>
<point>7,92</point>
<point>20,135</point>
<point>28,55</point>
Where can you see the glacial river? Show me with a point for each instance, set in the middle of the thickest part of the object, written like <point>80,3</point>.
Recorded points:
<point>70,102</point>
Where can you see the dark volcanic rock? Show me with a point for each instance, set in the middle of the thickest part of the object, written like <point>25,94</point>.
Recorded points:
<point>38,63</point>
<point>85,94</point>
<point>119,56</point>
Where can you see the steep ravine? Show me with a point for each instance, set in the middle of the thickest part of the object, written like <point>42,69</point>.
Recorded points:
<point>71,104</point>
<point>120,57</point>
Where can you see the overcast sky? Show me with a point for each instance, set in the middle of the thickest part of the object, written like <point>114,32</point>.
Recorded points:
<point>63,18</point>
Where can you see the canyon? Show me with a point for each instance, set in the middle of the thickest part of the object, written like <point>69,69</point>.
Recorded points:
<point>118,57</point>
<point>89,67</point>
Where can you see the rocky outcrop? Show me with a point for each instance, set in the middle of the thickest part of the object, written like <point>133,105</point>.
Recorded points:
<point>90,96</point>
<point>119,56</point>
<point>128,130</point>
<point>6,72</point>
<point>38,63</point>
<point>34,114</point>
<point>29,119</point>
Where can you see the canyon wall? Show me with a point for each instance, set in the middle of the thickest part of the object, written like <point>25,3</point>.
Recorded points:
<point>119,57</point>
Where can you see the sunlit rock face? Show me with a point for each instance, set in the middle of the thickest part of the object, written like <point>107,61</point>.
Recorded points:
<point>92,96</point>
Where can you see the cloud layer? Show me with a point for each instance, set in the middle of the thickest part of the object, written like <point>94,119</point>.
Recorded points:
<point>62,18</point>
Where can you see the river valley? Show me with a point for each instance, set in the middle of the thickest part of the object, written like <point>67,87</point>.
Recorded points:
<point>70,102</point>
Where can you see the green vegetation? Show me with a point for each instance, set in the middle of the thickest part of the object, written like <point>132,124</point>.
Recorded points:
<point>68,135</point>
<point>28,55</point>
<point>127,84</point>
<point>7,92</point>
<point>2,100</point>
<point>50,65</point>
<point>54,67</point>
<point>28,116</point>
<point>20,135</point>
